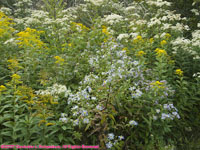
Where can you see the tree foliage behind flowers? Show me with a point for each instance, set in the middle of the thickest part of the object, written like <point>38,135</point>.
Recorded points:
<point>118,74</point>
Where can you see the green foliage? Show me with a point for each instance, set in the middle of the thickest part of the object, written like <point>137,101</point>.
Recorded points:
<point>118,74</point>
<point>53,7</point>
<point>184,8</point>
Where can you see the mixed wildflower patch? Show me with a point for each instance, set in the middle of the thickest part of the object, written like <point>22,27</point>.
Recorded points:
<point>118,75</point>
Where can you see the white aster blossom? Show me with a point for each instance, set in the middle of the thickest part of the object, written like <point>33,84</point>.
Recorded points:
<point>65,120</point>
<point>132,122</point>
<point>109,145</point>
<point>86,120</point>
<point>99,107</point>
<point>155,117</point>
<point>121,137</point>
<point>76,122</point>
<point>111,136</point>
<point>158,110</point>
<point>63,115</point>
<point>165,116</point>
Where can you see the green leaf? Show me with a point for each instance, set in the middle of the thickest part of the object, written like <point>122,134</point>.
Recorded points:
<point>4,107</point>
<point>103,119</point>
<point>8,124</point>
<point>7,133</point>
<point>88,125</point>
<point>112,117</point>
<point>64,127</point>
<point>60,137</point>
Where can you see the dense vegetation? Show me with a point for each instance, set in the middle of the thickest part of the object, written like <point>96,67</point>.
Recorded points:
<point>124,75</point>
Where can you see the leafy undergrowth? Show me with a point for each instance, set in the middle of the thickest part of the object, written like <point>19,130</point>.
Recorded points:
<point>121,76</point>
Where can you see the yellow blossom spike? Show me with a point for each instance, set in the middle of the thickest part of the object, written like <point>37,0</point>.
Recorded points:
<point>59,60</point>
<point>163,42</point>
<point>167,35</point>
<point>151,40</point>
<point>30,38</point>
<point>140,53</point>
<point>2,88</point>
<point>179,72</point>
<point>160,52</point>
<point>157,84</point>
<point>69,44</point>
<point>50,124</point>
<point>16,76</point>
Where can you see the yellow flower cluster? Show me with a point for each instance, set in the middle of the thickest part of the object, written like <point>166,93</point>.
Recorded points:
<point>16,78</point>
<point>59,60</point>
<point>26,94</point>
<point>104,30</point>
<point>43,105</point>
<point>50,124</point>
<point>140,53</point>
<point>5,22</point>
<point>151,40</point>
<point>30,38</point>
<point>167,35</point>
<point>41,121</point>
<point>2,88</point>
<point>160,52</point>
<point>13,64</point>
<point>163,42</point>
<point>157,84</point>
<point>138,39</point>
<point>179,72</point>
<point>80,25</point>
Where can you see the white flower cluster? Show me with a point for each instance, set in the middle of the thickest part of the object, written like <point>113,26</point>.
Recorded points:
<point>5,10</point>
<point>11,41</point>
<point>89,79</point>
<point>169,112</point>
<point>63,118</point>
<point>133,122</point>
<point>198,25</point>
<point>56,89</point>
<point>183,44</point>
<point>195,11</point>
<point>21,3</point>
<point>161,19</point>
<point>81,94</point>
<point>196,75</point>
<point>112,140</point>
<point>113,19</point>
<point>196,38</point>
<point>181,41</point>
<point>123,36</point>
<point>158,3</point>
